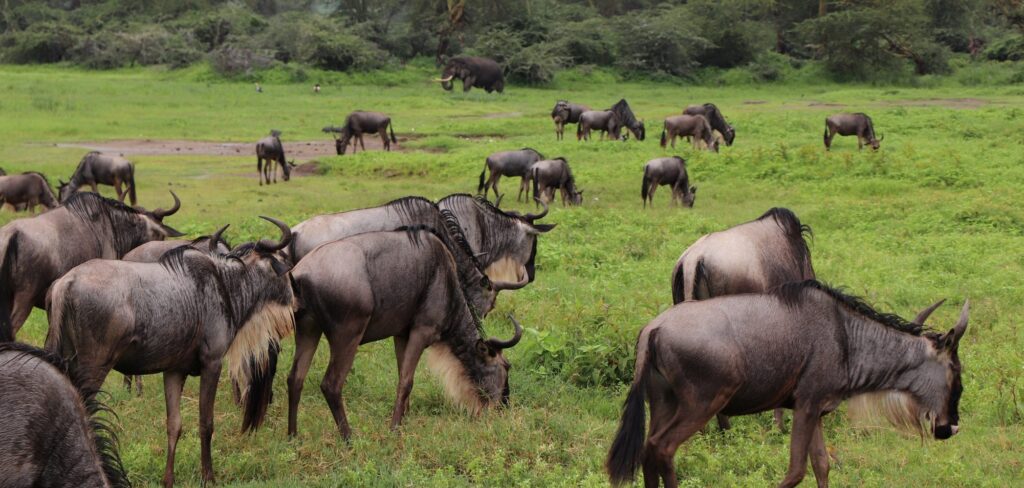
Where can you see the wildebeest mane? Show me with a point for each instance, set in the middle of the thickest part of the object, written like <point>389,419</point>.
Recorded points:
<point>409,207</point>
<point>871,125</point>
<point>792,294</point>
<point>497,226</point>
<point>796,233</point>
<point>104,437</point>
<point>534,150</point>
<point>624,113</point>
<point>91,207</point>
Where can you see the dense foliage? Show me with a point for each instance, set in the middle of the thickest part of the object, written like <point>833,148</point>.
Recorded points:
<point>532,39</point>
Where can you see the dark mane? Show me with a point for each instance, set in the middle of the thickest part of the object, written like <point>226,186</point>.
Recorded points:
<point>103,435</point>
<point>222,239</point>
<point>85,158</point>
<point>47,181</point>
<point>534,150</point>
<point>409,206</point>
<point>624,113</point>
<point>792,294</point>
<point>95,210</point>
<point>796,232</point>
<point>484,204</point>
<point>871,125</point>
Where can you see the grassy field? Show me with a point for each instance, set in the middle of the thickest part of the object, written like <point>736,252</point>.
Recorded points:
<point>935,213</point>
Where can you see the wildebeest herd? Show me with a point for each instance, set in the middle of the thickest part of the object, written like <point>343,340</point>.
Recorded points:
<point>749,314</point>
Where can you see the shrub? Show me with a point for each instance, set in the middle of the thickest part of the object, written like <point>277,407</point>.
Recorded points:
<point>1009,49</point>
<point>44,42</point>
<point>588,42</point>
<point>148,45</point>
<point>237,60</point>
<point>658,41</point>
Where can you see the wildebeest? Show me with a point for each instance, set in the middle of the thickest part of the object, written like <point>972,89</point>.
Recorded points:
<point>566,113</point>
<point>151,252</point>
<point>38,250</point>
<point>625,117</point>
<point>182,316</point>
<point>688,125</point>
<point>858,124</point>
<point>474,72</point>
<point>715,118</point>
<point>508,163</point>
<point>49,435</point>
<point>611,121</point>
<point>406,285</point>
<point>505,243</point>
<point>670,171</point>
<point>27,190</point>
<point>270,151</point>
<point>97,168</point>
<point>753,257</point>
<point>804,346</point>
<point>358,123</point>
<point>551,174</point>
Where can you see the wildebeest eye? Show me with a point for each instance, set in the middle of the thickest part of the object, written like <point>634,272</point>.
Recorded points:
<point>485,282</point>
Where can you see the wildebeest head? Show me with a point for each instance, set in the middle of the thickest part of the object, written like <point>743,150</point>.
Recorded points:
<point>63,190</point>
<point>156,230</point>
<point>561,110</point>
<point>286,167</point>
<point>729,135</point>
<point>265,254</point>
<point>689,196</point>
<point>942,399</point>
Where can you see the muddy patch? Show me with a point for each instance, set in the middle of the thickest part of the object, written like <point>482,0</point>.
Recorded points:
<point>954,103</point>
<point>825,104</point>
<point>754,102</point>
<point>297,150</point>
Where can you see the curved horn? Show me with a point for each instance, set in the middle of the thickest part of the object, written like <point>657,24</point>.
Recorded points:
<point>161,213</point>
<point>443,80</point>
<point>923,315</point>
<point>511,285</point>
<point>531,217</point>
<point>500,344</point>
<point>215,238</point>
<point>271,246</point>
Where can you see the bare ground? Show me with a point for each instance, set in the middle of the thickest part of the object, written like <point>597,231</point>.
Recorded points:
<point>299,150</point>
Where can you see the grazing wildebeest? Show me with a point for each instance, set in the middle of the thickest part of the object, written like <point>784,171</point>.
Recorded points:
<point>358,123</point>
<point>669,171</point>
<point>38,250</point>
<point>151,252</point>
<point>688,125</point>
<point>715,118</point>
<point>401,284</point>
<point>603,120</point>
<point>474,72</point>
<point>753,257</point>
<point>551,174</point>
<point>49,435</point>
<point>27,190</point>
<point>182,316</point>
<point>857,124</point>
<point>624,116</point>
<point>504,242</point>
<point>97,168</point>
<point>270,150</point>
<point>508,163</point>
<point>804,346</point>
<point>566,113</point>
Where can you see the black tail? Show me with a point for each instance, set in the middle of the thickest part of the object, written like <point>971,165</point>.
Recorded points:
<point>131,184</point>
<point>824,138</point>
<point>536,187</point>
<point>260,391</point>
<point>579,131</point>
<point>701,282</point>
<point>391,127</point>
<point>679,284</point>
<point>480,186</point>
<point>664,140</point>
<point>7,289</point>
<point>624,457</point>
<point>643,189</point>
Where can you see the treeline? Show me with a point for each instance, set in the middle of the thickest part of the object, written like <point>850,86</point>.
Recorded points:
<point>532,39</point>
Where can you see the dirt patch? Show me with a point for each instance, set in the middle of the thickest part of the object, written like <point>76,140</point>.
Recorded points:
<point>825,104</point>
<point>297,150</point>
<point>502,115</point>
<point>754,102</point>
<point>954,103</point>
<point>311,168</point>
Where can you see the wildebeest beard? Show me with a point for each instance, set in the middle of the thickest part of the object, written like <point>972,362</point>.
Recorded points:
<point>102,215</point>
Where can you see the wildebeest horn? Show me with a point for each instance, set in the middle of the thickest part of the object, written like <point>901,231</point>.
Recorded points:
<point>882,138</point>
<point>512,285</point>
<point>531,217</point>
<point>449,78</point>
<point>271,246</point>
<point>923,315</point>
<point>161,213</point>
<point>500,344</point>
<point>215,238</point>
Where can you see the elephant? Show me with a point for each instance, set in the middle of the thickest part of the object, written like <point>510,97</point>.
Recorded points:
<point>474,72</point>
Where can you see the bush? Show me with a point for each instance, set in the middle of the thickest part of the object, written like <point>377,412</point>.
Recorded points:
<point>148,45</point>
<point>588,42</point>
<point>238,60</point>
<point>45,42</point>
<point>657,41</point>
<point>321,43</point>
<point>1009,49</point>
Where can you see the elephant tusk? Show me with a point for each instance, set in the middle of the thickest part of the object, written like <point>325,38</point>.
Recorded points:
<point>444,80</point>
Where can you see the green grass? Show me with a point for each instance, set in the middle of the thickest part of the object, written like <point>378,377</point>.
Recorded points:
<point>936,213</point>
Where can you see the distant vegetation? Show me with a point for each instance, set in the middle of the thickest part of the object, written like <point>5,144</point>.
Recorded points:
<point>699,40</point>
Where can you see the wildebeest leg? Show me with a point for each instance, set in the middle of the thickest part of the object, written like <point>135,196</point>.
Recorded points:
<point>805,418</point>
<point>414,347</point>
<point>687,419</point>
<point>117,188</point>
<point>208,379</point>
<point>344,344</point>
<point>362,143</point>
<point>650,192</point>
<point>22,307</point>
<point>780,419</point>
<point>494,186</point>
<point>830,132</point>
<point>259,169</point>
<point>819,456</point>
<point>523,186</point>
<point>138,383</point>
<point>723,422</point>
<point>307,338</point>
<point>273,162</point>
<point>173,383</point>
<point>384,138</point>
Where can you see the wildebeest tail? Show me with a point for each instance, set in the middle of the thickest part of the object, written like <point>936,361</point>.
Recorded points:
<point>252,359</point>
<point>679,284</point>
<point>645,183</point>
<point>480,186</point>
<point>625,454</point>
<point>10,255</point>
<point>131,183</point>
<point>536,187</point>
<point>664,140</point>
<point>391,127</point>
<point>825,136</point>
<point>579,130</point>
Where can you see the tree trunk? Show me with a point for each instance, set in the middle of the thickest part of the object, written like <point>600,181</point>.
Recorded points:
<point>822,10</point>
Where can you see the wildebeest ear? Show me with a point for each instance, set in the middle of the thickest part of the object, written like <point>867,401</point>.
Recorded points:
<point>279,267</point>
<point>542,228</point>
<point>170,231</point>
